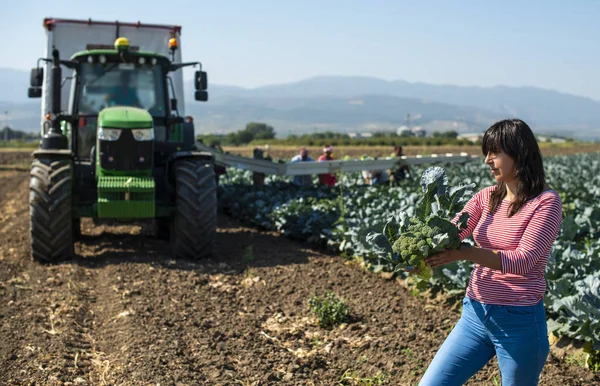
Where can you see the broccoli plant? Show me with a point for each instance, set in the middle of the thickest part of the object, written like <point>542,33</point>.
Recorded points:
<point>406,241</point>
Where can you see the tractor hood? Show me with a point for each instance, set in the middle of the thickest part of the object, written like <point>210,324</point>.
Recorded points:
<point>123,117</point>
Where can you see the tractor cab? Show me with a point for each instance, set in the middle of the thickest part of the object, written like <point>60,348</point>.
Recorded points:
<point>126,78</point>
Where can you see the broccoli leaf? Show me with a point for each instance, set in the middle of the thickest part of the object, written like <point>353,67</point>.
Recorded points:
<point>440,242</point>
<point>424,272</point>
<point>569,228</point>
<point>458,197</point>
<point>392,230</point>
<point>424,206</point>
<point>437,205</point>
<point>434,183</point>
<point>463,221</point>
<point>381,244</point>
<point>434,176</point>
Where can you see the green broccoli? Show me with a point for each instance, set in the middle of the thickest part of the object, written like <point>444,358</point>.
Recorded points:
<point>410,240</point>
<point>417,243</point>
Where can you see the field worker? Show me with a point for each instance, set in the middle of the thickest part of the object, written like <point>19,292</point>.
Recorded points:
<point>514,223</point>
<point>326,179</point>
<point>304,180</point>
<point>376,177</point>
<point>259,153</point>
<point>379,177</point>
<point>400,170</point>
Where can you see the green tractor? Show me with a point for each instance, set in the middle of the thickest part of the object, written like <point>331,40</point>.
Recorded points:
<point>121,152</point>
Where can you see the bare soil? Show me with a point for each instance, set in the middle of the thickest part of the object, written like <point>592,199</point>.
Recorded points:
<point>124,312</point>
<point>15,159</point>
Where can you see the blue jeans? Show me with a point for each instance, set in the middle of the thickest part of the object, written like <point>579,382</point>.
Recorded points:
<point>518,335</point>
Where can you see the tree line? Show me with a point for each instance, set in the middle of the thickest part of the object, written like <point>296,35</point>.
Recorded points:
<point>259,134</point>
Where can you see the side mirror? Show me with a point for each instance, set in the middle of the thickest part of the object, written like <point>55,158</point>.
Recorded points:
<point>201,96</point>
<point>34,92</point>
<point>201,80</point>
<point>37,77</point>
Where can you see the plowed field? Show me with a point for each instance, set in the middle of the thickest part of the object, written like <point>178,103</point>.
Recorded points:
<point>124,312</point>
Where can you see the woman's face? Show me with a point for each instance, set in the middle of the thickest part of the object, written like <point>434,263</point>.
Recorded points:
<point>502,166</point>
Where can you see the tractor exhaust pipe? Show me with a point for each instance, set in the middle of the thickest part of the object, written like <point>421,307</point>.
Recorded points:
<point>54,138</point>
<point>56,80</point>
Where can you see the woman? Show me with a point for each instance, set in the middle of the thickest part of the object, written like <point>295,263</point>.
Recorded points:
<point>514,224</point>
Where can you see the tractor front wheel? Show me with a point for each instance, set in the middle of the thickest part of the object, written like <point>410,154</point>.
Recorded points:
<point>195,224</point>
<point>51,224</point>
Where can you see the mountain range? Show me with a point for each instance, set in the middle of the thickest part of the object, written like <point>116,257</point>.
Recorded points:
<point>355,104</point>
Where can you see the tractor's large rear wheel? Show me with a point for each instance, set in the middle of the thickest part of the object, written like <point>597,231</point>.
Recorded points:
<point>50,220</point>
<point>195,224</point>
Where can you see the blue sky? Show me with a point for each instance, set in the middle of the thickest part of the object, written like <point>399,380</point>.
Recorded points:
<point>550,44</point>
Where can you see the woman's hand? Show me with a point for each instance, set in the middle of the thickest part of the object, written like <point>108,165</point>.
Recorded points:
<point>412,270</point>
<point>442,258</point>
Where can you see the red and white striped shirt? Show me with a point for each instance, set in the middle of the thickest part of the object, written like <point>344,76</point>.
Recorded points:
<point>524,241</point>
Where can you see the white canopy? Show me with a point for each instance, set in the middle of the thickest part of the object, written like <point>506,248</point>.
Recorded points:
<point>72,36</point>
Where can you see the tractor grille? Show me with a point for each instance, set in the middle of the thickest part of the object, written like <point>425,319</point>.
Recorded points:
<point>126,153</point>
<point>126,197</point>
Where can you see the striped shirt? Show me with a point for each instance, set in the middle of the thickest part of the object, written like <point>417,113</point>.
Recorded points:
<point>524,243</point>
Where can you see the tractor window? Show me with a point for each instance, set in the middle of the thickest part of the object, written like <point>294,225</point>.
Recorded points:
<point>114,84</point>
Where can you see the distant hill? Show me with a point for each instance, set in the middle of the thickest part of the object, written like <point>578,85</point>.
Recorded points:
<point>355,104</point>
<point>545,106</point>
<point>361,113</point>
<point>547,110</point>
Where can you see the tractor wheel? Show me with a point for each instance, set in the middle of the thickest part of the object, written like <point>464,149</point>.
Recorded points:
<point>50,221</point>
<point>76,229</point>
<point>162,228</point>
<point>195,224</point>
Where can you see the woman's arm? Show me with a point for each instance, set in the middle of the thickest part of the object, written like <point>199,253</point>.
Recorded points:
<point>537,240</point>
<point>474,208</point>
<point>484,257</point>
<point>534,245</point>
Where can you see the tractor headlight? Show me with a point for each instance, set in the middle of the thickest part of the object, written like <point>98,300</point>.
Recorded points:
<point>143,134</point>
<point>109,134</point>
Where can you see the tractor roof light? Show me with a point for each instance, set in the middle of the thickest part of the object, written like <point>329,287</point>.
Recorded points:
<point>122,44</point>
<point>173,44</point>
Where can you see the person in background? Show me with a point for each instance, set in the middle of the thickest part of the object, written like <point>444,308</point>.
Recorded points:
<point>259,153</point>
<point>376,177</point>
<point>380,177</point>
<point>327,179</point>
<point>304,180</point>
<point>400,170</point>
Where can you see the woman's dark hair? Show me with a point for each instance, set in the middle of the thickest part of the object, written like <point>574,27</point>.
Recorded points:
<point>515,138</point>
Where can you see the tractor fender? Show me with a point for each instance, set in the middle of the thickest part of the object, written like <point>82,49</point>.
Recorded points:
<point>202,155</point>
<point>58,153</point>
